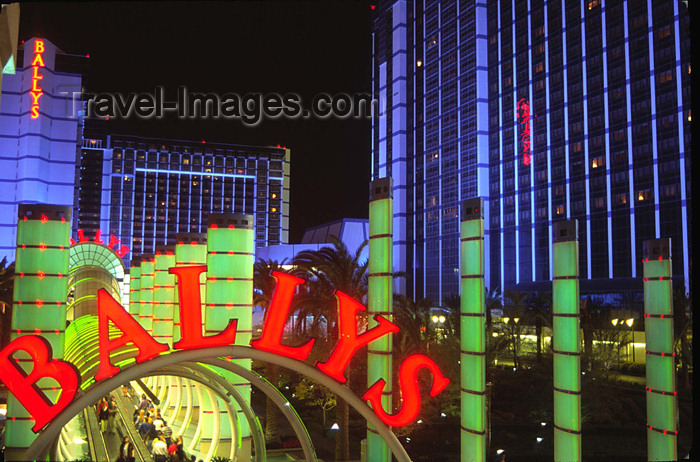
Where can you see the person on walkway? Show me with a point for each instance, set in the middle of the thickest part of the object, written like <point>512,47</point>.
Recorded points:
<point>144,404</point>
<point>167,433</point>
<point>126,451</point>
<point>158,422</point>
<point>140,418</point>
<point>145,430</point>
<point>102,414</point>
<point>160,449</point>
<point>111,417</point>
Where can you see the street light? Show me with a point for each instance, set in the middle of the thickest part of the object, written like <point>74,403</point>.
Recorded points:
<point>614,322</point>
<point>630,323</point>
<point>441,319</point>
<point>435,318</point>
<point>506,319</point>
<point>515,320</point>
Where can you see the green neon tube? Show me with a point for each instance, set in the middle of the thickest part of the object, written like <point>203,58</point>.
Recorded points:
<point>164,294</point>
<point>662,403</point>
<point>135,287</point>
<point>379,301</point>
<point>472,333</point>
<point>566,337</point>
<point>146,292</point>
<point>39,302</point>
<point>230,258</point>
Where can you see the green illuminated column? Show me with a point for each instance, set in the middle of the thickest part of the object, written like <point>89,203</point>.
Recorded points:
<point>39,307</point>
<point>190,250</point>
<point>135,287</point>
<point>566,338</point>
<point>164,294</point>
<point>379,301</point>
<point>472,332</point>
<point>146,292</point>
<point>661,376</point>
<point>230,258</point>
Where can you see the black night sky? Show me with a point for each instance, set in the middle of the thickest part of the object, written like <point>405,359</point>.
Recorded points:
<point>239,47</point>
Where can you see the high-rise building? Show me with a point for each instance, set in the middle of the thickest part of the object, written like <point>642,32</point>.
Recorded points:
<point>40,133</point>
<point>548,110</point>
<point>430,75</point>
<point>145,190</point>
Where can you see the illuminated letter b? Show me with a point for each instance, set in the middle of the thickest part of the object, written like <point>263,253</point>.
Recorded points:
<point>24,386</point>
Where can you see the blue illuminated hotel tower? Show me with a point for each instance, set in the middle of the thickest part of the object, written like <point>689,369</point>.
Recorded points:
<point>40,133</point>
<point>548,110</point>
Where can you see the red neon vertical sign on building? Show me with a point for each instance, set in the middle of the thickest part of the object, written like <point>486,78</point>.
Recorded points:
<point>36,90</point>
<point>524,122</point>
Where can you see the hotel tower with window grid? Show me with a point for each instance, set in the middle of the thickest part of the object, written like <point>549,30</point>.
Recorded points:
<point>548,110</point>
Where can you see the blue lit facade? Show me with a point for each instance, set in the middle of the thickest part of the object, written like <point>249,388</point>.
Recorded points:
<point>429,69</point>
<point>607,85</point>
<point>37,155</point>
<point>145,190</point>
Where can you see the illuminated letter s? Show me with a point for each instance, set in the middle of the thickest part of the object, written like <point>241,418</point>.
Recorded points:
<point>24,386</point>
<point>408,377</point>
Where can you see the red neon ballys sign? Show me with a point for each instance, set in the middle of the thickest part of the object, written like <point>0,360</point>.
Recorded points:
<point>23,386</point>
<point>121,251</point>
<point>37,91</point>
<point>524,121</point>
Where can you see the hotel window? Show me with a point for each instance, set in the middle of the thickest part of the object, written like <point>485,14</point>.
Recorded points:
<point>666,76</point>
<point>663,32</point>
<point>598,162</point>
<point>539,67</point>
<point>643,195</point>
<point>599,202</point>
<point>669,190</point>
<point>592,4</point>
<point>559,210</point>
<point>621,198</point>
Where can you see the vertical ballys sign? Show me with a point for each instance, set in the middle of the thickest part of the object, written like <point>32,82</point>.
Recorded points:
<point>36,90</point>
<point>23,384</point>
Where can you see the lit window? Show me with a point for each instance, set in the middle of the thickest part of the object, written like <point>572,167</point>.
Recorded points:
<point>559,210</point>
<point>185,161</point>
<point>665,76</point>
<point>419,63</point>
<point>663,32</point>
<point>643,195</point>
<point>598,162</point>
<point>273,209</point>
<point>622,198</point>
<point>593,3</point>
<point>274,196</point>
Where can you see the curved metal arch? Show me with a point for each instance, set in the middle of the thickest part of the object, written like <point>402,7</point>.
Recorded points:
<point>205,355</point>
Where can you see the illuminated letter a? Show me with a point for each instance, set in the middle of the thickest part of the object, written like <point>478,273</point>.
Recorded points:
<point>109,310</point>
<point>24,386</point>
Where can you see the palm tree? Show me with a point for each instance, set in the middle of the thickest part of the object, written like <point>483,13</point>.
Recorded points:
<point>7,279</point>
<point>264,286</point>
<point>413,318</point>
<point>331,269</point>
